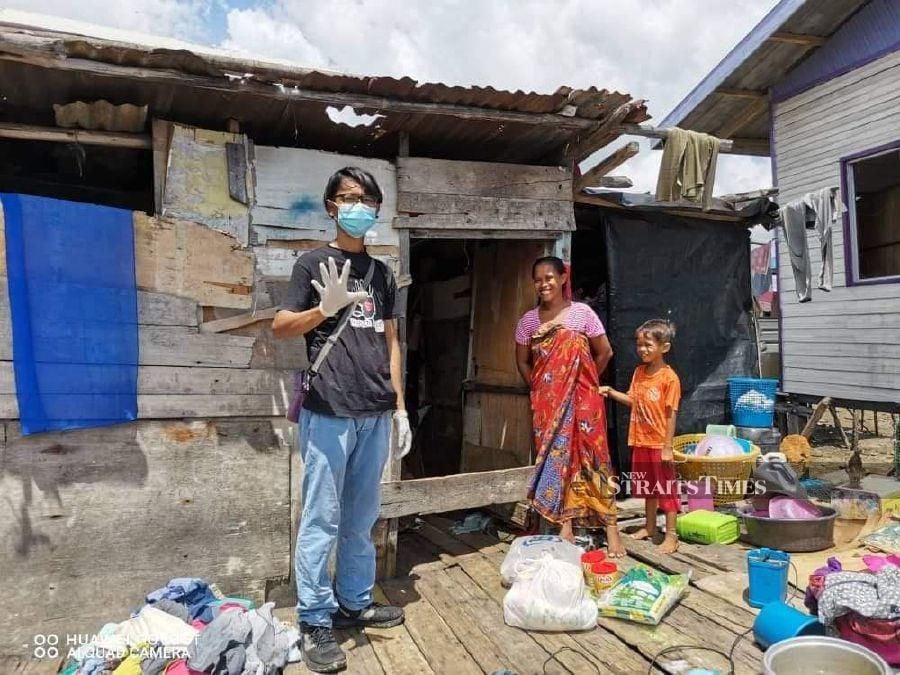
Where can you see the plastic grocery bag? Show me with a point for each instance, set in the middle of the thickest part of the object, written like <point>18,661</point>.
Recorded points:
<point>643,595</point>
<point>549,595</point>
<point>532,548</point>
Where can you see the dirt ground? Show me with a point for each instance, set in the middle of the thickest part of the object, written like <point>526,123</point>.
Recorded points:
<point>877,450</point>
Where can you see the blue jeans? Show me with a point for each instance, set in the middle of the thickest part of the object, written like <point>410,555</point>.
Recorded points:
<point>343,459</point>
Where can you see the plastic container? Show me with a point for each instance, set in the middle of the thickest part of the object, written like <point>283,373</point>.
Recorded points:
<point>708,527</point>
<point>794,536</point>
<point>767,570</point>
<point>778,621</point>
<point>721,430</point>
<point>744,415</point>
<point>730,474</point>
<point>604,575</point>
<point>588,560</point>
<point>815,655</point>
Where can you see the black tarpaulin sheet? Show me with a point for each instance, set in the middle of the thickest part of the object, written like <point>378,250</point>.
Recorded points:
<point>695,273</point>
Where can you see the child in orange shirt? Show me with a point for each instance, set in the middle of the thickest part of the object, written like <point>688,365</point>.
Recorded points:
<point>653,398</point>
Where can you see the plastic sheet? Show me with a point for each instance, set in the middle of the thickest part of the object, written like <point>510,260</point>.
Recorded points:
<point>73,305</point>
<point>695,273</point>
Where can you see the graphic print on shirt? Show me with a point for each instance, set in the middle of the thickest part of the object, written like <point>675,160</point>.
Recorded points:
<point>364,313</point>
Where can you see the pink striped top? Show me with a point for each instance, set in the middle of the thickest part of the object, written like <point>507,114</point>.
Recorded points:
<point>580,317</point>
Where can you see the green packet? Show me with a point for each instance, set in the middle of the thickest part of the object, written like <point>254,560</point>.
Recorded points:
<point>643,594</point>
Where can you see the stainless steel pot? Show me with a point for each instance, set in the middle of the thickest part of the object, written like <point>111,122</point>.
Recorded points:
<point>822,656</point>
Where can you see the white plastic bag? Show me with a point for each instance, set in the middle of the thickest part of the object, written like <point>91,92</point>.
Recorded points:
<point>549,595</point>
<point>532,548</point>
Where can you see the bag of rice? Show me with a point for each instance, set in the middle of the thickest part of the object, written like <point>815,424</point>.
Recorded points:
<point>643,594</point>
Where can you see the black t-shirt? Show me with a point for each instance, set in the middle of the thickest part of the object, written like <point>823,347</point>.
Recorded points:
<point>355,379</point>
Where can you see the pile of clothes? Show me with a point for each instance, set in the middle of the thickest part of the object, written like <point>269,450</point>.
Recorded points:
<point>188,627</point>
<point>861,606</point>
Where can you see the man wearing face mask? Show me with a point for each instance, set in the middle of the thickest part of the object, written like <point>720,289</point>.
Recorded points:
<point>349,410</point>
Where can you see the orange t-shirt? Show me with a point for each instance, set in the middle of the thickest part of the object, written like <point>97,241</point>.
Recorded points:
<point>653,398</point>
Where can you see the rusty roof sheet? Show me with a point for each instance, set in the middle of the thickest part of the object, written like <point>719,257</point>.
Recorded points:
<point>31,46</point>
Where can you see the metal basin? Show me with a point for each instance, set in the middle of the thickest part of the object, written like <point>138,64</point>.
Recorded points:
<point>822,656</point>
<point>793,536</point>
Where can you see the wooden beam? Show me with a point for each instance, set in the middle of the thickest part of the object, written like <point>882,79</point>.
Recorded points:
<point>605,133</point>
<point>461,491</point>
<point>239,321</point>
<point>43,52</point>
<point>607,165</point>
<point>750,113</point>
<point>742,93</point>
<point>654,132</point>
<point>750,146</point>
<point>798,39</point>
<point>821,407</point>
<point>115,139</point>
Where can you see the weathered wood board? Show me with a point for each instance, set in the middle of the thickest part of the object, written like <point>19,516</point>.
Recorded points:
<point>192,261</point>
<point>442,194</point>
<point>197,181</point>
<point>290,183</point>
<point>98,518</point>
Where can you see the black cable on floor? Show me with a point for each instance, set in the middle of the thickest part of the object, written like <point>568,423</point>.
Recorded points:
<point>559,651</point>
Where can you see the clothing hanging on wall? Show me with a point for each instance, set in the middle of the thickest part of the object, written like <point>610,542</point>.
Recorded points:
<point>815,210</point>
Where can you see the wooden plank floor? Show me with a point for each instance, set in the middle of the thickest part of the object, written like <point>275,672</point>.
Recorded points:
<point>450,588</point>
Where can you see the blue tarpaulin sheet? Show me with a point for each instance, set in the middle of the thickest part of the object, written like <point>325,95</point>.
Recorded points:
<point>73,305</point>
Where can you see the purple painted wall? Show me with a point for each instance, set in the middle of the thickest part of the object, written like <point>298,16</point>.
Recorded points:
<point>871,33</point>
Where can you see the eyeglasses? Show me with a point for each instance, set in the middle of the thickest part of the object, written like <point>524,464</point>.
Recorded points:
<point>356,199</point>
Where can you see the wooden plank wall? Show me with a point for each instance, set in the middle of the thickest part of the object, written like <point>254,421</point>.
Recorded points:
<point>289,185</point>
<point>470,196</point>
<point>841,344</point>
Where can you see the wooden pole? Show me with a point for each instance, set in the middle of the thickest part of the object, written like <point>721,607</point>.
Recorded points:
<point>605,166</point>
<point>114,139</point>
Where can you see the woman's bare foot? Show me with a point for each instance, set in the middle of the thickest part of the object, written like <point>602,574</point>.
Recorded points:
<point>669,544</point>
<point>643,534</point>
<point>614,546</point>
<point>566,532</point>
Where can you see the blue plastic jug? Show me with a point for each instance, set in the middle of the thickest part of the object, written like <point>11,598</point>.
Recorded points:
<point>767,570</point>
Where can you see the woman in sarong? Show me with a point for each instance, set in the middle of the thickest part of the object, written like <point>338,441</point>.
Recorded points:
<point>561,351</point>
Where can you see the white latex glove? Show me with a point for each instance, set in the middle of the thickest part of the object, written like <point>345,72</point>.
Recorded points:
<point>404,434</point>
<point>333,289</point>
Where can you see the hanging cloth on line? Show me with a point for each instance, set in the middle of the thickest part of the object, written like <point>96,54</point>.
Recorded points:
<point>73,305</point>
<point>688,167</point>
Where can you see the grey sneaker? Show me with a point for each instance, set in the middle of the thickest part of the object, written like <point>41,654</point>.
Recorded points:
<point>374,616</point>
<point>321,652</point>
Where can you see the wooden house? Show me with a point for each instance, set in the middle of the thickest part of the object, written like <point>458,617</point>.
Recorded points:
<point>222,162</point>
<point>814,86</point>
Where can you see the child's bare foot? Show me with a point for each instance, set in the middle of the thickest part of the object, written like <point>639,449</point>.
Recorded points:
<point>567,532</point>
<point>614,546</point>
<point>643,534</point>
<point>669,544</point>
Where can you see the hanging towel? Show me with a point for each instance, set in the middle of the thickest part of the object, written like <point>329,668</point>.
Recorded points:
<point>825,204</point>
<point>73,305</point>
<point>688,167</point>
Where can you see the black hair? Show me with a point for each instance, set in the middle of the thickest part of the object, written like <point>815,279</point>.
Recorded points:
<point>661,330</point>
<point>366,181</point>
<point>556,263</point>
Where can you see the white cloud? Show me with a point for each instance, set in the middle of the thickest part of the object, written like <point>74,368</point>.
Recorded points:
<point>184,19</point>
<point>653,49</point>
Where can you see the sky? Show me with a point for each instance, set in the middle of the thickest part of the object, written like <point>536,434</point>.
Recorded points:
<point>653,49</point>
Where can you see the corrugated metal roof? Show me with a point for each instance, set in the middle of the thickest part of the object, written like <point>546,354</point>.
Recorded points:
<point>756,64</point>
<point>244,92</point>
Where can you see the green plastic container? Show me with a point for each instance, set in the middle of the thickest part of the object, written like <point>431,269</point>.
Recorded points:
<point>708,527</point>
